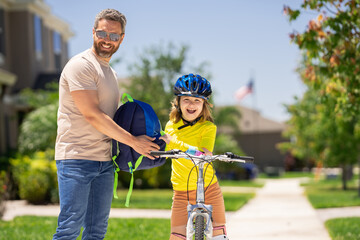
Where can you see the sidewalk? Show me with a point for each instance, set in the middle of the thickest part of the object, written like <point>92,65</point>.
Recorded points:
<point>279,211</point>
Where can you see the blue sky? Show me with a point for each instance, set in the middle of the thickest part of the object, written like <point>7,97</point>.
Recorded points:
<point>238,38</point>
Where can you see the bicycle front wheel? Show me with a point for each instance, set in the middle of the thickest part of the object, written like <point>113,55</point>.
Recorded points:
<point>199,227</point>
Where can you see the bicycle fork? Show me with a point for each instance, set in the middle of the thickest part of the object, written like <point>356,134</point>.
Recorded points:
<point>199,209</point>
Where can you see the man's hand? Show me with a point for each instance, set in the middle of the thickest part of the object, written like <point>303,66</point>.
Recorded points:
<point>143,144</point>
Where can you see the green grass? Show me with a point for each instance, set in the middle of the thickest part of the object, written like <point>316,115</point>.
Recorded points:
<point>297,174</point>
<point>234,201</point>
<point>42,228</point>
<point>145,199</point>
<point>329,193</point>
<point>241,183</point>
<point>344,228</point>
<point>162,199</point>
<point>288,175</point>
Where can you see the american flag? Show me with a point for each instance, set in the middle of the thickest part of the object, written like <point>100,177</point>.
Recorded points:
<point>244,90</point>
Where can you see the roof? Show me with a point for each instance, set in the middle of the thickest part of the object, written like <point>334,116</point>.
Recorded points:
<point>252,122</point>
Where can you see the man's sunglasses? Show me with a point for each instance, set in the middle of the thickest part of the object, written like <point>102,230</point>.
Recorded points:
<point>113,36</point>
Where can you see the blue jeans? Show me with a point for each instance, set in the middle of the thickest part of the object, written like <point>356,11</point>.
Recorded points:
<point>85,189</point>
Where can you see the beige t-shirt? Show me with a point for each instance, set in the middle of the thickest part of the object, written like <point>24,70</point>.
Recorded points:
<point>76,138</point>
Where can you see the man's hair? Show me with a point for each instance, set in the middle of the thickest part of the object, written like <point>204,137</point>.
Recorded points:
<point>175,113</point>
<point>113,15</point>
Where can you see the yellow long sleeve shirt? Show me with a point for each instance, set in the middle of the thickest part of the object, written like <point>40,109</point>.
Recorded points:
<point>201,135</point>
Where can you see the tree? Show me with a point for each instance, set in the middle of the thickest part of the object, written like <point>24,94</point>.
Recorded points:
<point>227,122</point>
<point>228,116</point>
<point>331,69</point>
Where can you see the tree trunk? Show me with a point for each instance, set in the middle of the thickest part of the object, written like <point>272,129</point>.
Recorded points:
<point>359,179</point>
<point>344,176</point>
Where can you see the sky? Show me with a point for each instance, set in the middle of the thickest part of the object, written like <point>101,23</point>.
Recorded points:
<point>239,39</point>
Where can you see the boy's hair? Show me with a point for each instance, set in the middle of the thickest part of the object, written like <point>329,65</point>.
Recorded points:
<point>175,113</point>
<point>113,15</point>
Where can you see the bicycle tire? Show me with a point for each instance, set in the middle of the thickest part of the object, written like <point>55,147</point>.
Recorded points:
<point>199,227</point>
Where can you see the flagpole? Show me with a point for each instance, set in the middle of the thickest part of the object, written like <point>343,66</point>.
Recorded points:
<point>254,103</point>
<point>241,93</point>
<point>255,117</point>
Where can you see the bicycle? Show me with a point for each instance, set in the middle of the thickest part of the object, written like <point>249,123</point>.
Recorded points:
<point>199,214</point>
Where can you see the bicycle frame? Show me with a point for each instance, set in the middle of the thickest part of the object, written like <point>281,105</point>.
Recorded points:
<point>200,209</point>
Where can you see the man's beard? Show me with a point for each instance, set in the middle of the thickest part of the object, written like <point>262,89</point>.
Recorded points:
<point>104,54</point>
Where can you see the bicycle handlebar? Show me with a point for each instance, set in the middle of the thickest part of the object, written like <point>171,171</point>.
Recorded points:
<point>226,157</point>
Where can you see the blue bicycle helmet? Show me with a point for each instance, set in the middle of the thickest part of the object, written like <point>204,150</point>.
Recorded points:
<point>192,85</point>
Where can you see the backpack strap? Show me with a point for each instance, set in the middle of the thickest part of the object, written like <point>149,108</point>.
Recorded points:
<point>117,169</point>
<point>138,162</point>
<point>116,177</point>
<point>126,95</point>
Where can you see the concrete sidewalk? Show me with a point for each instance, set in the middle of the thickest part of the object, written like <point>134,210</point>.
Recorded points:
<point>279,211</point>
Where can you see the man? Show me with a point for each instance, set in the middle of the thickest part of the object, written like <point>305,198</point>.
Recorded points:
<point>88,99</point>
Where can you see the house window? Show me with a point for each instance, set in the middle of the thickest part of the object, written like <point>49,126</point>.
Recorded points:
<point>38,37</point>
<point>2,36</point>
<point>57,50</point>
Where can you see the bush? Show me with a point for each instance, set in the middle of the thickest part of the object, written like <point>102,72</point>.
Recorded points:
<point>34,185</point>
<point>3,191</point>
<point>36,177</point>
<point>38,131</point>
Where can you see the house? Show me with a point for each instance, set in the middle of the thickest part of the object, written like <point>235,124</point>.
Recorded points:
<point>259,137</point>
<point>33,50</point>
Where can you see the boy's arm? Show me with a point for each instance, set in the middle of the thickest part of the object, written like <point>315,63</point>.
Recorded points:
<point>208,139</point>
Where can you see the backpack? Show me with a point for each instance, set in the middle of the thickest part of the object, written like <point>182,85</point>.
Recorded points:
<point>138,118</point>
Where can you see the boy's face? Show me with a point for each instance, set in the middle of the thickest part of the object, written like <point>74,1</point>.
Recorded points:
<point>191,107</point>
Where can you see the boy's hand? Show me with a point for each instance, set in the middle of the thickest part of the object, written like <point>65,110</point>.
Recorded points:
<point>166,138</point>
<point>207,152</point>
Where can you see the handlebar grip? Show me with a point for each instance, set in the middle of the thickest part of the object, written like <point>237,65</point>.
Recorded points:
<point>246,158</point>
<point>160,153</point>
<point>157,153</point>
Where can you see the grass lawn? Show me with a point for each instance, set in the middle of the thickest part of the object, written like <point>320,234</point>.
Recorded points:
<point>145,199</point>
<point>329,193</point>
<point>242,183</point>
<point>42,228</point>
<point>288,175</point>
<point>162,199</point>
<point>344,228</point>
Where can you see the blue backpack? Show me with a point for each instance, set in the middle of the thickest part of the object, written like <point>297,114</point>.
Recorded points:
<point>138,118</point>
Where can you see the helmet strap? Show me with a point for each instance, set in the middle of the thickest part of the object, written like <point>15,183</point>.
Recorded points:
<point>187,123</point>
